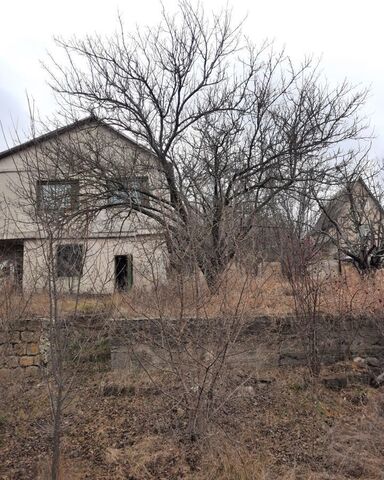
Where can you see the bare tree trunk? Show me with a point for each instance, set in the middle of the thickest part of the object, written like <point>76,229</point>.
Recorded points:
<point>56,442</point>
<point>56,343</point>
<point>314,360</point>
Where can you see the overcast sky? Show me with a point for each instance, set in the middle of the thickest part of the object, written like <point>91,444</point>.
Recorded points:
<point>347,34</point>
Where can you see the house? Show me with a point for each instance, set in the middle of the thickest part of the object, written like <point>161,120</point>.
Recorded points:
<point>351,226</point>
<point>55,216</point>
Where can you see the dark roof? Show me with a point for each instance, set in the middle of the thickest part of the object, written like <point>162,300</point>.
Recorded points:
<point>91,120</point>
<point>335,205</point>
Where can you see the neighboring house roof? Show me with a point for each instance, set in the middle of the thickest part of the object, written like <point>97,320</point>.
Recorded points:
<point>91,120</point>
<point>336,205</point>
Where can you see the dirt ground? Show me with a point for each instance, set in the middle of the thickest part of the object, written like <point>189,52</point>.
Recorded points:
<point>120,426</point>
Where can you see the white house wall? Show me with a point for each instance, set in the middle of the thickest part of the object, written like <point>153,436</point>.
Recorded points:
<point>149,264</point>
<point>104,237</point>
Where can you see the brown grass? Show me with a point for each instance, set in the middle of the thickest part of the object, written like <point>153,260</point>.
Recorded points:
<point>266,294</point>
<point>287,430</point>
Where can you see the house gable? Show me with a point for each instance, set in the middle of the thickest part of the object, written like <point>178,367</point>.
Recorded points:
<point>357,196</point>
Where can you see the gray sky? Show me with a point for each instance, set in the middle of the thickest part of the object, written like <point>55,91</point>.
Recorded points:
<point>347,34</point>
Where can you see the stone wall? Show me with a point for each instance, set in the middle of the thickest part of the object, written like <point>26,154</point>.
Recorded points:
<point>337,338</point>
<point>261,341</point>
<point>20,350</point>
<point>25,347</point>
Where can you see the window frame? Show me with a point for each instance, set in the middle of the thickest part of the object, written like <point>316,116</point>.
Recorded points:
<point>63,268</point>
<point>127,191</point>
<point>74,195</point>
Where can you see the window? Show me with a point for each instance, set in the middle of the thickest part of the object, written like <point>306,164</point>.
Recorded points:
<point>57,195</point>
<point>69,260</point>
<point>131,190</point>
<point>364,230</point>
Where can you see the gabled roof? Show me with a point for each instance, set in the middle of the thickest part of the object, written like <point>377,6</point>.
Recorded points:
<point>88,121</point>
<point>335,205</point>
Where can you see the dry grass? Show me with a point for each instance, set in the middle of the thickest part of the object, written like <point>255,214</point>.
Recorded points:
<point>351,293</point>
<point>286,430</point>
<point>266,294</point>
<point>119,426</point>
<point>357,446</point>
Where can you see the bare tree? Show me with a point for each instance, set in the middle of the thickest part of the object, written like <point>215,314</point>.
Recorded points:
<point>37,205</point>
<point>186,346</point>
<point>306,279</point>
<point>229,126</point>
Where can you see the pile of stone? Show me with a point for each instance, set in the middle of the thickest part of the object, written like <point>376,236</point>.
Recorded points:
<point>374,367</point>
<point>366,371</point>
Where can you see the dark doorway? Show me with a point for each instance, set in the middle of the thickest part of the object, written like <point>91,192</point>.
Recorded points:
<point>123,272</point>
<point>11,262</point>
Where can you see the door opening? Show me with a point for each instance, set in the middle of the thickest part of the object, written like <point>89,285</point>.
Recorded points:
<point>11,262</point>
<point>123,272</point>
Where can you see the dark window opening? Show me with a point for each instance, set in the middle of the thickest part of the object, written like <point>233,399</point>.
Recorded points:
<point>123,272</point>
<point>57,195</point>
<point>131,191</point>
<point>69,260</point>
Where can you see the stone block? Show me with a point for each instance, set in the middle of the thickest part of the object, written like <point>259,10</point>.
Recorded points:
<point>36,360</point>
<point>4,350</point>
<point>5,373</point>
<point>336,383</point>
<point>32,371</point>
<point>373,362</point>
<point>15,374</point>
<point>14,337</point>
<point>30,336</point>
<point>26,361</point>
<point>33,325</point>
<point>12,362</point>
<point>379,380</point>
<point>33,349</point>
<point>19,349</point>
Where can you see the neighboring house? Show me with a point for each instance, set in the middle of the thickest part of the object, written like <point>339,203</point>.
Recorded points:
<point>351,227</point>
<point>52,212</point>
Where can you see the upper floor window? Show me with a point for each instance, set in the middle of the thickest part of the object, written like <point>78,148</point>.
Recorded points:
<point>364,230</point>
<point>130,190</point>
<point>57,195</point>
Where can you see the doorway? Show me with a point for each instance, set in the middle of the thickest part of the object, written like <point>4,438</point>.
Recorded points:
<point>123,272</point>
<point>11,262</point>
